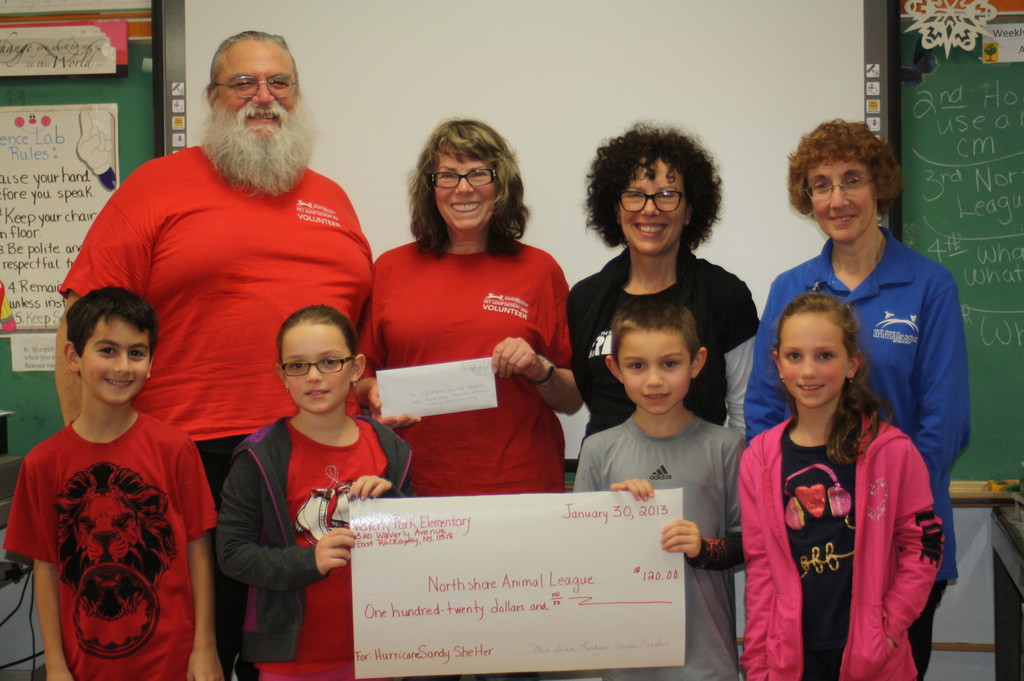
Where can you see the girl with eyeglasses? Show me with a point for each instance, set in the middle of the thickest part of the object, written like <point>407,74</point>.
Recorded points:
<point>845,177</point>
<point>283,522</point>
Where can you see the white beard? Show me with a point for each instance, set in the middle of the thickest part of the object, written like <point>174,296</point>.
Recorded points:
<point>260,165</point>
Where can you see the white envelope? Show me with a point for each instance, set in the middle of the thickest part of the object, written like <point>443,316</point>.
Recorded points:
<point>438,388</point>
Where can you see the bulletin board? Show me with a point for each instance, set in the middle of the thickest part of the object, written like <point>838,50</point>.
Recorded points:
<point>31,395</point>
<point>58,171</point>
<point>51,191</point>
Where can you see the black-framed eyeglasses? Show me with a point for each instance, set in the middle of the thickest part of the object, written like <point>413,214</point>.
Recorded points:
<point>476,178</point>
<point>851,185</point>
<point>331,365</point>
<point>246,87</point>
<point>634,201</point>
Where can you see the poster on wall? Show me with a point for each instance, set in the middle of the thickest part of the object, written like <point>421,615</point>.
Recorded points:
<point>34,6</point>
<point>1005,43</point>
<point>58,166</point>
<point>64,49</point>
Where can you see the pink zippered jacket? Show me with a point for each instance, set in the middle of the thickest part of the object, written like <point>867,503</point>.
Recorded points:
<point>897,551</point>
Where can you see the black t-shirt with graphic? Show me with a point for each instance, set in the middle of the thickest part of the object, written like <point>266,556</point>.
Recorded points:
<point>818,497</point>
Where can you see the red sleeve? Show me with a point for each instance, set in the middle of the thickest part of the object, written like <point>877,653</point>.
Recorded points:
<point>117,250</point>
<point>195,501</point>
<point>371,341</point>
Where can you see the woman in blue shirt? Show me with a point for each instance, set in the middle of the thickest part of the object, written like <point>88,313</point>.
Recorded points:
<point>845,176</point>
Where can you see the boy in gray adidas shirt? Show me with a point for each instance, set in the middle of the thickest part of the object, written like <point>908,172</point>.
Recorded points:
<point>656,353</point>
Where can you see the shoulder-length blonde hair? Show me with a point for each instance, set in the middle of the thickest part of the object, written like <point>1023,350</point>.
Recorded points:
<point>466,138</point>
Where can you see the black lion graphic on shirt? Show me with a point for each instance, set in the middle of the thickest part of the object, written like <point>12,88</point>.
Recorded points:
<point>114,543</point>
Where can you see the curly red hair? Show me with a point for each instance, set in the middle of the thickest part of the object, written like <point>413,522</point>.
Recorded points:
<point>840,140</point>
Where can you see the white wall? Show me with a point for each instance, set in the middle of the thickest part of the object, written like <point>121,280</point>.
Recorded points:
<point>966,612</point>
<point>557,78</point>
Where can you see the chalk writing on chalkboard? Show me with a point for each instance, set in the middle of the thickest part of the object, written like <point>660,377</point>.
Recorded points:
<point>57,169</point>
<point>969,188</point>
<point>963,206</point>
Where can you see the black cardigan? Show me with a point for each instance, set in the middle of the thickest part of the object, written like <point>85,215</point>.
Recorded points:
<point>720,302</point>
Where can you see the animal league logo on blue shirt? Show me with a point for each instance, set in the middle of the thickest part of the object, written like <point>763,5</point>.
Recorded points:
<point>898,329</point>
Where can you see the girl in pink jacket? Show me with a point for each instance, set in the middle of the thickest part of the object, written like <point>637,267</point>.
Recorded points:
<point>841,543</point>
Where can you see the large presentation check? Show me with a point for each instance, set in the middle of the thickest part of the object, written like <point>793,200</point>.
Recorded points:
<point>530,582</point>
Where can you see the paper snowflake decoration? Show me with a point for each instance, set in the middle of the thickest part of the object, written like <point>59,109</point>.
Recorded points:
<point>950,23</point>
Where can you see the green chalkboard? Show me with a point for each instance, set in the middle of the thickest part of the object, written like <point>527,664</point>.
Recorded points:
<point>31,395</point>
<point>963,206</point>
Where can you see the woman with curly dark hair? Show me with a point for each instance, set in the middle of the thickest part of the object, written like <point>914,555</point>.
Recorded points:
<point>845,176</point>
<point>468,288</point>
<point>655,190</point>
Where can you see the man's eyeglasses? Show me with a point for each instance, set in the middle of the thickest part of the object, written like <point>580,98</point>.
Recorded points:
<point>634,202</point>
<point>851,185</point>
<point>331,365</point>
<point>476,178</point>
<point>246,87</point>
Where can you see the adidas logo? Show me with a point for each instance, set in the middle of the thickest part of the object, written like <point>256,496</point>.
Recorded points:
<point>660,474</point>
